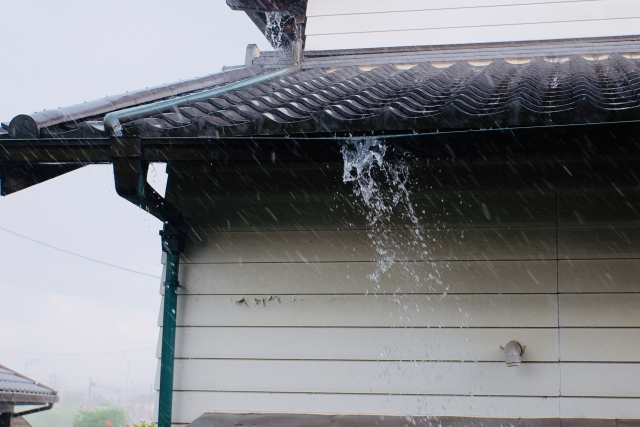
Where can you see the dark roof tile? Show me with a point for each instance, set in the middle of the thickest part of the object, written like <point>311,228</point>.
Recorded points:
<point>20,390</point>
<point>421,97</point>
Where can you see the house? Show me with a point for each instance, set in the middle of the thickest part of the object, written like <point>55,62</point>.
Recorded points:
<point>421,211</point>
<point>18,390</point>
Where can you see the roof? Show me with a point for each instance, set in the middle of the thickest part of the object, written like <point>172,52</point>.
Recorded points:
<point>446,101</point>
<point>16,389</point>
<point>396,98</point>
<point>75,114</point>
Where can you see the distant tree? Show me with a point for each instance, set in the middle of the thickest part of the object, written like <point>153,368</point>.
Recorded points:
<point>102,416</point>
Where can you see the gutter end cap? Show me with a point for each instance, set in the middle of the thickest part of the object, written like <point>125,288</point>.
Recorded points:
<point>24,126</point>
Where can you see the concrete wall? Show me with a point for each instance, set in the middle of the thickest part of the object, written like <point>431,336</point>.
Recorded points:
<point>352,24</point>
<point>277,313</point>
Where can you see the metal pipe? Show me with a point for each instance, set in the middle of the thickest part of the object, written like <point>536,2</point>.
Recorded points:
<point>29,125</point>
<point>113,124</point>
<point>168,341</point>
<point>173,240</point>
<point>33,411</point>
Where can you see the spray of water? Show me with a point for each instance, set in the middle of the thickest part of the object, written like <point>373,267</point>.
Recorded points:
<point>382,186</point>
<point>274,29</point>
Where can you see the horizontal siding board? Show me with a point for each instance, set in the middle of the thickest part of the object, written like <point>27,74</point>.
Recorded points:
<point>616,408</point>
<point>241,181</point>
<point>258,299</point>
<point>600,345</point>
<point>370,311</point>
<point>190,405</point>
<point>601,379</point>
<point>363,344</point>
<point>280,199</point>
<point>599,242</point>
<point>497,34</point>
<point>338,7</point>
<point>452,17</point>
<point>473,277</point>
<point>598,192</point>
<point>354,245</point>
<point>584,276</point>
<point>428,378</point>
<point>335,210</point>
<point>592,207</point>
<point>600,310</point>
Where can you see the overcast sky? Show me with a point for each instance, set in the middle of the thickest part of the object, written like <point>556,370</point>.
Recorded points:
<point>62,317</point>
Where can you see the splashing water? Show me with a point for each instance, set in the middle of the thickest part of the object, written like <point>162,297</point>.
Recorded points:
<point>382,187</point>
<point>274,29</point>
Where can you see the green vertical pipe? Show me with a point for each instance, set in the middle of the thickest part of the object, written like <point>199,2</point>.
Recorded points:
<point>168,340</point>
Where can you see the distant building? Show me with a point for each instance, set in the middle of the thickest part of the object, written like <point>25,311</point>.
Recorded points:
<point>494,283</point>
<point>17,390</point>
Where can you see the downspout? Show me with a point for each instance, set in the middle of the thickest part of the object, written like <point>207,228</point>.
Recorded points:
<point>130,173</point>
<point>173,240</point>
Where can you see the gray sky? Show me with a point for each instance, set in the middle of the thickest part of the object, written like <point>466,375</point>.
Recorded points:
<point>61,314</point>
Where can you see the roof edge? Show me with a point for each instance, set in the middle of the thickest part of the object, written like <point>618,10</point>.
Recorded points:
<point>26,399</point>
<point>476,46</point>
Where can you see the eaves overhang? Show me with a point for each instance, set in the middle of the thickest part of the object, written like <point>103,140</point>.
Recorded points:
<point>503,100</point>
<point>27,162</point>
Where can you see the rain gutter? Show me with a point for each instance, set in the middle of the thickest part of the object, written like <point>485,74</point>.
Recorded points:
<point>113,121</point>
<point>33,411</point>
<point>130,173</point>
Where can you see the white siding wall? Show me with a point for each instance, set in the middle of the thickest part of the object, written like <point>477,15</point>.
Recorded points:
<point>352,24</point>
<point>277,313</point>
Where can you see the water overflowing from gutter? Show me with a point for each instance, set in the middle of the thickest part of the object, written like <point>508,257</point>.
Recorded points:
<point>274,29</point>
<point>382,186</point>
